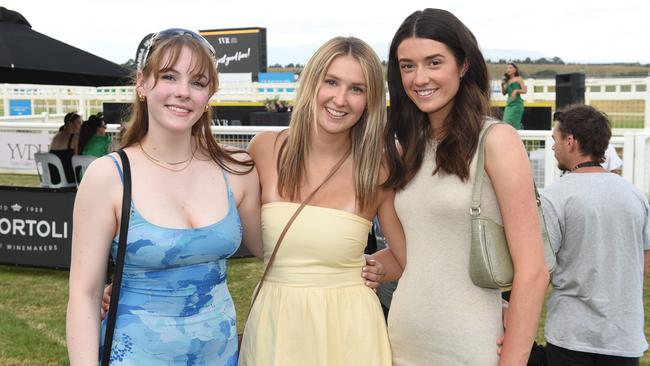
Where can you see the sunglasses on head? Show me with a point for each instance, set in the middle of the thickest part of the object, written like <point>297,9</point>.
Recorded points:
<point>169,33</point>
<point>558,116</point>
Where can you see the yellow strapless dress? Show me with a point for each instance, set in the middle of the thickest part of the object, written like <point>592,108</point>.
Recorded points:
<point>314,309</point>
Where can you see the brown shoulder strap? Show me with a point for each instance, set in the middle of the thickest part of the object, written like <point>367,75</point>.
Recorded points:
<point>291,220</point>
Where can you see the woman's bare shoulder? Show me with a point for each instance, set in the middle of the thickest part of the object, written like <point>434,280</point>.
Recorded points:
<point>102,179</point>
<point>267,140</point>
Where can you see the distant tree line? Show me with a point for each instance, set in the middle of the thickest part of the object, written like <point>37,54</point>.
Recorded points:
<point>545,73</point>
<point>542,60</point>
<point>299,66</point>
<point>287,66</point>
<point>129,65</point>
<point>558,61</point>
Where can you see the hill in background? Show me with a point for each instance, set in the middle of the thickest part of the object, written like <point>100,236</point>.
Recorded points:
<point>548,71</point>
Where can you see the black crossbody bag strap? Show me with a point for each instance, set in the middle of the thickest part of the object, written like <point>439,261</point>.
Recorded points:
<point>119,261</point>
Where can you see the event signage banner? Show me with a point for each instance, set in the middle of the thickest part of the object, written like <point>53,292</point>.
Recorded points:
<point>36,226</point>
<point>241,50</point>
<point>20,107</point>
<point>235,115</point>
<point>17,149</point>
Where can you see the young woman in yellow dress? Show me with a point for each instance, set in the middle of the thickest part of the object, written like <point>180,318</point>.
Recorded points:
<point>314,308</point>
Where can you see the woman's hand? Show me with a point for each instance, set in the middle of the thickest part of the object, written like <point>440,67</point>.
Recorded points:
<point>514,93</point>
<point>504,318</point>
<point>106,301</point>
<point>373,272</point>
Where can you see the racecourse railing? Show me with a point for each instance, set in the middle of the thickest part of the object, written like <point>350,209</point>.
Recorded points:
<point>625,100</point>
<point>633,147</point>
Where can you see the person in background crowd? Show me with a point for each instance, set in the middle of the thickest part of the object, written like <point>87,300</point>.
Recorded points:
<point>613,162</point>
<point>512,86</point>
<point>599,224</point>
<point>64,144</point>
<point>281,106</point>
<point>93,139</point>
<point>439,92</point>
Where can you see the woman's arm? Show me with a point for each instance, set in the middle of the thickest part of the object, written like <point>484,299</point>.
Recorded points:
<point>94,225</point>
<point>393,258</point>
<point>261,150</point>
<point>75,144</point>
<point>249,211</point>
<point>524,88</point>
<point>508,167</point>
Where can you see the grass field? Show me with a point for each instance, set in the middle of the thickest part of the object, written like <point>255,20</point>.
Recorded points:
<point>33,303</point>
<point>19,180</point>
<point>590,70</point>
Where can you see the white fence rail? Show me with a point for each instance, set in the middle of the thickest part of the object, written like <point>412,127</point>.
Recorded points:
<point>634,148</point>
<point>625,100</point>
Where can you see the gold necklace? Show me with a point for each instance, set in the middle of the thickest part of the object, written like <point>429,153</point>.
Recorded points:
<point>164,162</point>
<point>161,163</point>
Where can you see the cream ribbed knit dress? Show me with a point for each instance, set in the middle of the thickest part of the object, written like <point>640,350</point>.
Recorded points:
<point>438,316</point>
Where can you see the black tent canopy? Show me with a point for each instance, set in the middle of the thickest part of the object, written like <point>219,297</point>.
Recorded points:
<point>29,57</point>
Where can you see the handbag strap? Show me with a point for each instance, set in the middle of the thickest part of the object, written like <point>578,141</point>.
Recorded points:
<point>119,260</point>
<point>291,220</point>
<point>475,208</point>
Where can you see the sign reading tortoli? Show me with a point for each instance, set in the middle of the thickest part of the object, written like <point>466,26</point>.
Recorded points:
<point>239,50</point>
<point>36,226</point>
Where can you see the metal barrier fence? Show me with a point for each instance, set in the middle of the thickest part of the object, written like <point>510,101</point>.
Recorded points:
<point>632,147</point>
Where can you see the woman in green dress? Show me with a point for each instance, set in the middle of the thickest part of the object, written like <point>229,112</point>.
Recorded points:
<point>512,86</point>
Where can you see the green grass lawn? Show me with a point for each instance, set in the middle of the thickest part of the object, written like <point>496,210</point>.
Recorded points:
<point>33,303</point>
<point>19,180</point>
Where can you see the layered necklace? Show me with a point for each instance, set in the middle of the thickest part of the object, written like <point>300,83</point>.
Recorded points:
<point>171,166</point>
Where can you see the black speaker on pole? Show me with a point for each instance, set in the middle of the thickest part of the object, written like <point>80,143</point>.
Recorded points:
<point>569,89</point>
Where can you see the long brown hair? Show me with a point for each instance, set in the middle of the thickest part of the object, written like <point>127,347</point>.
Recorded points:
<point>163,56</point>
<point>515,74</point>
<point>366,134</point>
<point>411,127</point>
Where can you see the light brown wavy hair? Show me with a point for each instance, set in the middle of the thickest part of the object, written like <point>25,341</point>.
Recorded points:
<point>164,54</point>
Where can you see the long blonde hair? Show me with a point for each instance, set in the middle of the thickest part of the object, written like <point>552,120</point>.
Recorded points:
<point>163,56</point>
<point>366,134</point>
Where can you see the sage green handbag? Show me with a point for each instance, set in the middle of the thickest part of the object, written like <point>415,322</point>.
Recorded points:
<point>490,265</point>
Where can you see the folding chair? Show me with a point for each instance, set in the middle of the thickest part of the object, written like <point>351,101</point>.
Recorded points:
<point>45,162</point>
<point>80,164</point>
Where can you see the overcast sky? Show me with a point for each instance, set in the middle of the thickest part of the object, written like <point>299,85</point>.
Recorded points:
<point>574,30</point>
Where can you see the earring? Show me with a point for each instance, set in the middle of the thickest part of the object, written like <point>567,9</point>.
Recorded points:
<point>141,97</point>
<point>207,108</point>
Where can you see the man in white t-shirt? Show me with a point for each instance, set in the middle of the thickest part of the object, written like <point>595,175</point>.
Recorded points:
<point>613,162</point>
